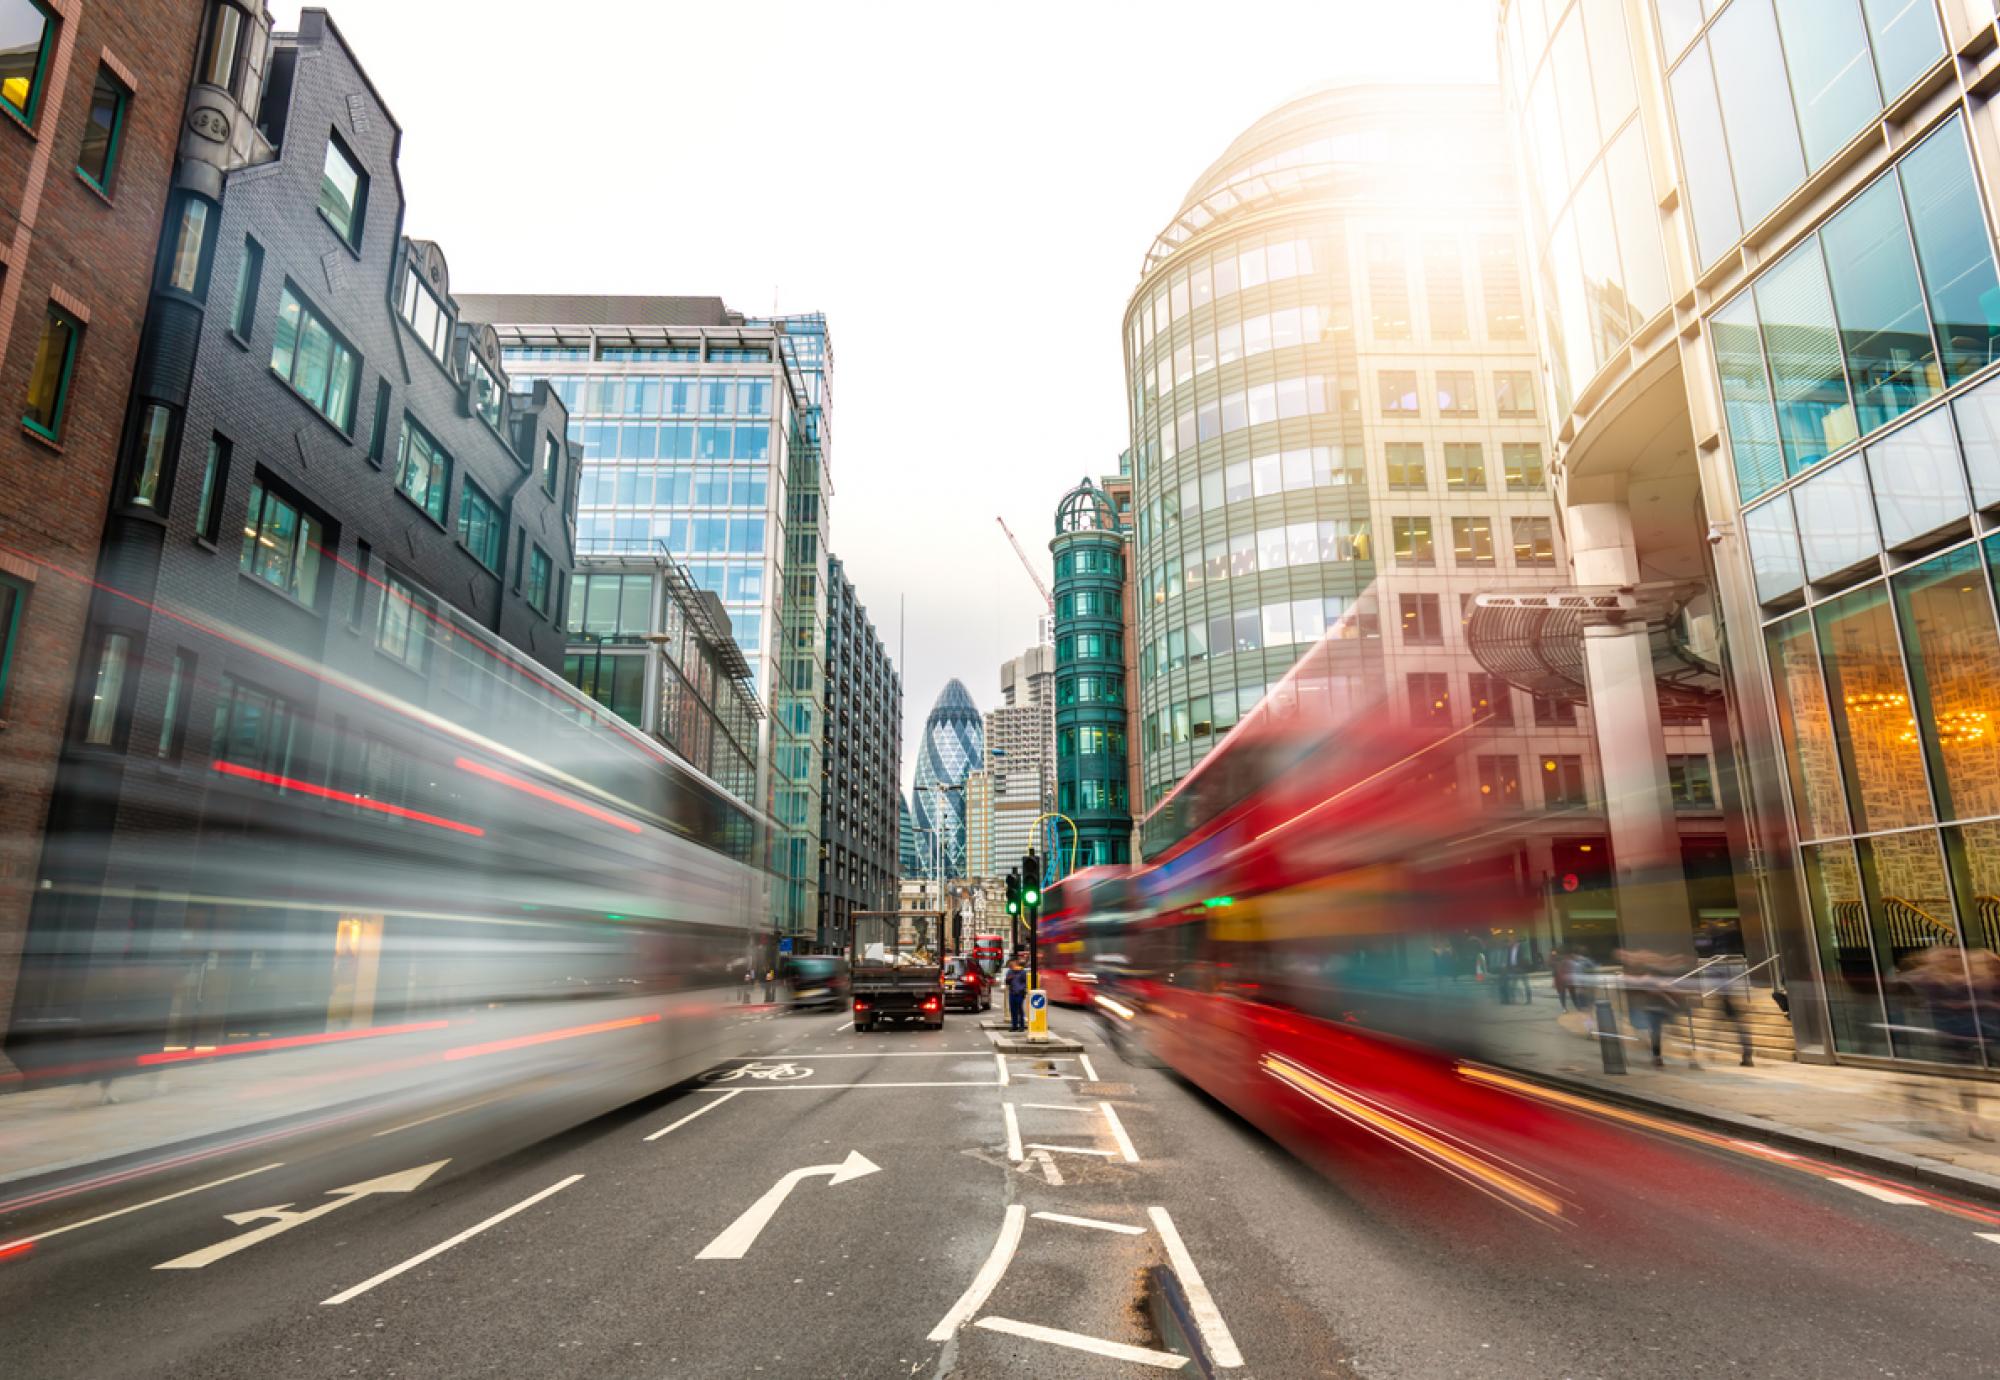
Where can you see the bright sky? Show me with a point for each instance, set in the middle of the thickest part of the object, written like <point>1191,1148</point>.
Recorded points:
<point>966,191</point>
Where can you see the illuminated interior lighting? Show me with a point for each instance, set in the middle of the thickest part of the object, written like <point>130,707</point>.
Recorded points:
<point>527,787</point>
<point>291,783</point>
<point>547,1037</point>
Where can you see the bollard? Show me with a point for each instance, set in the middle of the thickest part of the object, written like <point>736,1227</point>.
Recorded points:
<point>1038,1014</point>
<point>1609,1043</point>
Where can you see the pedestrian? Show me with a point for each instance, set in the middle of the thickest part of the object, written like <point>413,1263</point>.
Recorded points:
<point>1650,997</point>
<point>1017,995</point>
<point>1723,978</point>
<point>1560,965</point>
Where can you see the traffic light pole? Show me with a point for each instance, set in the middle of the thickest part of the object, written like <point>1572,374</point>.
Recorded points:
<point>1031,906</point>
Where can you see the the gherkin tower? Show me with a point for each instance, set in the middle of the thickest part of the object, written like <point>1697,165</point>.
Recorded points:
<point>953,744</point>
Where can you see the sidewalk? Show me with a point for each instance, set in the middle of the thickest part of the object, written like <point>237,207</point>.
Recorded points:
<point>1912,1124</point>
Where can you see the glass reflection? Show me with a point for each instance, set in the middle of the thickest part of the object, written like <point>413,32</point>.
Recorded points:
<point>1814,415</point>
<point>1836,529</point>
<point>1954,249</point>
<point>1884,333</point>
<point>1774,551</point>
<point>1846,955</point>
<point>1870,703</point>
<point>1954,657</point>
<point>1812,758</point>
<point>1833,85</point>
<point>1746,398</point>
<point>1918,488</point>
<point>1756,109</point>
<point>1917,951</point>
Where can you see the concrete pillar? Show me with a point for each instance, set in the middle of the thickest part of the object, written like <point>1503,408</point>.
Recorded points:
<point>1631,748</point>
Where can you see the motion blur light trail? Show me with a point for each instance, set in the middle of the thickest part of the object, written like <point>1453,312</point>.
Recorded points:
<point>177,1056</point>
<point>362,802</point>
<point>547,1037</point>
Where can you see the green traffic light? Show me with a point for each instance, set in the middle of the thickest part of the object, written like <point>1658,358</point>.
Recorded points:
<point>1033,897</point>
<point>1013,907</point>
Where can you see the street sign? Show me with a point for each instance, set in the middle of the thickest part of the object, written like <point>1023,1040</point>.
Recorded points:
<point>1038,1014</point>
<point>784,946</point>
<point>739,1236</point>
<point>283,1218</point>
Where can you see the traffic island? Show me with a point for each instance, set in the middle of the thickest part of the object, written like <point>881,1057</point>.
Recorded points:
<point>1007,1041</point>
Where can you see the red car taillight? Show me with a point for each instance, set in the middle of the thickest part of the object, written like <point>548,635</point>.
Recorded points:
<point>861,1006</point>
<point>930,1003</point>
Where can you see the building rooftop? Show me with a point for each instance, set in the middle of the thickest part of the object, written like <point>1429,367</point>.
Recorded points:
<point>564,309</point>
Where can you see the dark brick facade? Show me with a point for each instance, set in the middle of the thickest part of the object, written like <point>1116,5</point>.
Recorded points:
<point>862,754</point>
<point>63,240</point>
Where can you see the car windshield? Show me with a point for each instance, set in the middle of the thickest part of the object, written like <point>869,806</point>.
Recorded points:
<point>814,967</point>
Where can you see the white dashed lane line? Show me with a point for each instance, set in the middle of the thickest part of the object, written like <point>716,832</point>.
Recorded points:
<point>1117,1351</point>
<point>701,1111</point>
<point>1880,1194</point>
<point>1094,1223</point>
<point>420,1257</point>
<point>1013,1131</point>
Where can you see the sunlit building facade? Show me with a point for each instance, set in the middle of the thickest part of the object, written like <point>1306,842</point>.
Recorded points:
<point>1765,269</point>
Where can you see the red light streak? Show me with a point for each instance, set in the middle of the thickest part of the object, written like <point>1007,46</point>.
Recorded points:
<point>18,1248</point>
<point>176,1056</point>
<point>546,1037</point>
<point>544,793</point>
<point>292,783</point>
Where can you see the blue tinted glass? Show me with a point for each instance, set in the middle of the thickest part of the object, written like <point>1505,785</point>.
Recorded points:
<point>1833,84</point>
<point>1763,133</point>
<point>1906,40</point>
<point>1836,529</point>
<point>1919,489</point>
<point>1704,159</point>
<point>1746,398</point>
<point>753,442</point>
<point>714,443</point>
<point>1978,414</point>
<point>1884,332</point>
<point>1814,417</point>
<point>1774,550</point>
<point>1954,250</point>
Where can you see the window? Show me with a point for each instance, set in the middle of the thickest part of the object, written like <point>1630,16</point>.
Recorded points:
<point>1411,538</point>
<point>1522,463</point>
<point>425,314</point>
<point>423,470</point>
<point>1422,627</point>
<point>343,191</point>
<point>249,269</point>
<point>400,624</point>
<point>173,715</point>
<point>364,557</point>
<point>1457,394</point>
<point>1464,465</point>
<point>254,728</point>
<point>214,485</point>
<point>1406,464</point>
<point>1562,781</point>
<point>319,365</point>
<point>225,40</point>
<point>1388,288</point>
<point>101,727</point>
<point>486,391</point>
<point>378,434</point>
<point>1430,697</point>
<point>102,126</point>
<point>481,527</point>
<point>282,544</point>
<point>1514,393</point>
<point>1491,698</point>
<point>612,605</point>
<point>1534,542</point>
<point>55,362</point>
<point>1688,780</point>
<point>148,478</point>
<point>1500,280</point>
<point>1499,781</point>
<point>13,596</point>
<point>1444,290</point>
<point>26,34</point>
<point>1553,713</point>
<point>551,465</point>
<point>541,580</point>
<point>186,265</point>
<point>1472,540</point>
<point>1399,393</point>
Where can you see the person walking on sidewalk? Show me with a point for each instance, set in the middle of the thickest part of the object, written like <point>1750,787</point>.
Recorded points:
<point>1726,981</point>
<point>1017,996</point>
<point>1649,997</point>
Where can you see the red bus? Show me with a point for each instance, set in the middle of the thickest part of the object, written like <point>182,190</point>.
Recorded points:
<point>1077,912</point>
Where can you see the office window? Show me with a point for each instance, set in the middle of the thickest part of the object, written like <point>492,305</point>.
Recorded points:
<point>173,715</point>
<point>1405,463</point>
<point>13,597</point>
<point>147,477</point>
<point>55,364</point>
<point>1457,393</point>
<point>1688,780</point>
<point>343,191</point>
<point>486,393</point>
<point>425,314</point>
<point>1500,282</point>
<point>1562,781</point>
<point>214,485</point>
<point>1499,781</point>
<point>1472,541</point>
<point>1464,465</point>
<point>1551,713</point>
<point>249,270</point>
<point>27,32</point>
<point>551,465</point>
<point>184,268</point>
<point>1411,539</point>
<point>1399,393</point>
<point>1430,697</point>
<point>282,544</point>
<point>101,725</point>
<point>1491,698</point>
<point>1514,393</point>
<point>1388,288</point>
<point>1534,541</point>
<point>1422,625</point>
<point>481,527</point>
<point>1444,290</point>
<point>401,622</point>
<point>364,557</point>
<point>1954,247</point>
<point>423,470</point>
<point>253,728</point>
<point>1522,463</point>
<point>541,580</point>
<point>320,366</point>
<point>1905,38</point>
<point>225,42</point>
<point>97,160</point>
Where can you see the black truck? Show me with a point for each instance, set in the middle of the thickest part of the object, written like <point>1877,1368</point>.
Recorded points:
<point>896,968</point>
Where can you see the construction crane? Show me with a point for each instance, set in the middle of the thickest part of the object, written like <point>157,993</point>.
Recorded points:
<point>1026,564</point>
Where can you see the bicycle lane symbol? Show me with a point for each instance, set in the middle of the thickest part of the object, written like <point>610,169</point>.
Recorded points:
<point>772,1073</point>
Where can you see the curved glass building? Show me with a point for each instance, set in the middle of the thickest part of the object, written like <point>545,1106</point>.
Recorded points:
<point>954,742</point>
<point>1091,765</point>
<point>1769,302</point>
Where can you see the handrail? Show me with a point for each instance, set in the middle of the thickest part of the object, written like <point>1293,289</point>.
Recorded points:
<point>1719,958</point>
<point>1724,958</point>
<point>1745,974</point>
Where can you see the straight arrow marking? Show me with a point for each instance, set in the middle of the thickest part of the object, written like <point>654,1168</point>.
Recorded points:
<point>283,1217</point>
<point>739,1236</point>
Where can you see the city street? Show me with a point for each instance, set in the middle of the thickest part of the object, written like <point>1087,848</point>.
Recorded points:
<point>961,1213</point>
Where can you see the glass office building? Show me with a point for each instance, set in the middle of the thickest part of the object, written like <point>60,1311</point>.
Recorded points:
<point>953,743</point>
<point>1770,307</point>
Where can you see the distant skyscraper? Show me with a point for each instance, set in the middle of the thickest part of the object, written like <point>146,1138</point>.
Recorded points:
<point>909,851</point>
<point>953,744</point>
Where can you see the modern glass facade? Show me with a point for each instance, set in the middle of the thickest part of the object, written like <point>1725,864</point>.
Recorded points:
<point>1092,767</point>
<point>954,743</point>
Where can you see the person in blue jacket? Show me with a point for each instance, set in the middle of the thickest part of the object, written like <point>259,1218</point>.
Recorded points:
<point>1017,996</point>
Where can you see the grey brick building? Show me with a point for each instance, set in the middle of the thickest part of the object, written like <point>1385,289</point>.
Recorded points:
<point>860,833</point>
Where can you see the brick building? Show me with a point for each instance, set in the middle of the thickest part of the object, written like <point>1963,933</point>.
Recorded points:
<point>91,100</point>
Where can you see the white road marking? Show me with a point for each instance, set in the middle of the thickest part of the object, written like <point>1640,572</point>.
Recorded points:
<point>1057,1106</point>
<point>838,1087</point>
<point>739,1236</point>
<point>1052,1075</point>
<point>1125,1146</point>
<point>439,1116</point>
<point>1201,1303</point>
<point>1070,1149</point>
<point>1089,1069</point>
<point>1013,1131</point>
<point>669,1130</point>
<point>1993,1236</point>
<point>18,1242</point>
<point>882,1054</point>
<point>1001,1060</point>
<point>1118,1351</point>
<point>420,1257</point>
<point>837,1029</point>
<point>282,1218</point>
<point>1051,1175</point>
<point>1885,1195</point>
<point>977,1292</point>
<point>1092,1222</point>
<point>1763,1149</point>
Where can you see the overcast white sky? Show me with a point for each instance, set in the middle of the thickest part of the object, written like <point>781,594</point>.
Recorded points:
<point>965,190</point>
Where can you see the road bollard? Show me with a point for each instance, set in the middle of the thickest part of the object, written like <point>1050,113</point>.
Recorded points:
<point>1038,1014</point>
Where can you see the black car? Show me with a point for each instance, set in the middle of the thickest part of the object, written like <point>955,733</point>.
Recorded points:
<point>967,986</point>
<point>816,980</point>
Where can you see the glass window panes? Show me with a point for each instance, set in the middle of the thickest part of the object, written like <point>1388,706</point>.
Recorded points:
<point>1879,756</point>
<point>1978,414</point>
<point>25,33</point>
<point>423,470</point>
<point>1636,216</point>
<point>1954,249</point>
<point>426,314</point>
<point>1746,398</point>
<point>48,381</point>
<point>1840,920</point>
<point>1774,550</point>
<point>1763,136</point>
<point>1953,652</point>
<point>1704,159</point>
<point>102,126</point>
<point>317,363</point>
<point>1832,80</point>
<point>481,527</point>
<point>1918,487</point>
<point>1803,347</point>
<point>342,189</point>
<point>281,544</point>
<point>1836,528</point>
<point>1805,724</point>
<point>1884,331</point>
<point>1906,40</point>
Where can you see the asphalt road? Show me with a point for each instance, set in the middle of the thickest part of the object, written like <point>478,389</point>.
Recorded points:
<point>677,1236</point>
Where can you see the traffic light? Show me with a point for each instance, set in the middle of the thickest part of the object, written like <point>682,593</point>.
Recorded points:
<point>1013,894</point>
<point>1031,880</point>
